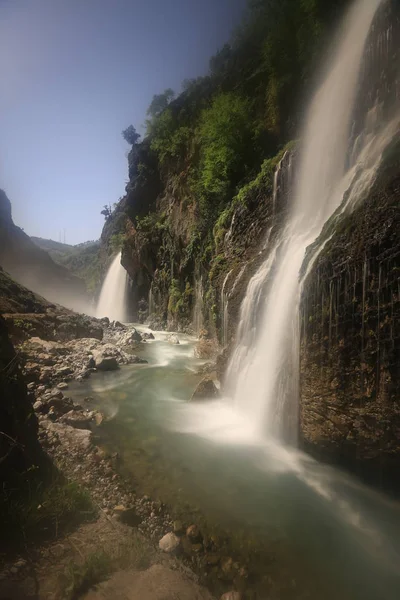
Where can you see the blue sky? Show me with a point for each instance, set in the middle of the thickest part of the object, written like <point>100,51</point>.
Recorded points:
<point>73,74</point>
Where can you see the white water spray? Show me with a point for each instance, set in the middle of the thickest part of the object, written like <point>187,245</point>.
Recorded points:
<point>264,368</point>
<point>112,301</point>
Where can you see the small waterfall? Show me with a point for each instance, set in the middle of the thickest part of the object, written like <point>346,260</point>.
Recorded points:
<point>198,306</point>
<point>224,311</point>
<point>263,373</point>
<point>151,301</point>
<point>112,301</point>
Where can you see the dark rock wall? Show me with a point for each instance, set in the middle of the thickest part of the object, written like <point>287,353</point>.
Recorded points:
<point>350,348</point>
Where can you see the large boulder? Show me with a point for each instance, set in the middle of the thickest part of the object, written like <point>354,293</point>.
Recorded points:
<point>105,362</point>
<point>206,390</point>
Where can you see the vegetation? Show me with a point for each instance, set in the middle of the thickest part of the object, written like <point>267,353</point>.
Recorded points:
<point>83,260</point>
<point>214,147</point>
<point>36,506</point>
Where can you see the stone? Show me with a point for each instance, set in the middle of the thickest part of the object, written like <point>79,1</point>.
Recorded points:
<point>206,390</point>
<point>105,363</point>
<point>62,386</point>
<point>178,527</point>
<point>40,407</point>
<point>227,568</point>
<point>232,596</point>
<point>98,418</point>
<point>169,543</point>
<point>79,420</point>
<point>64,371</point>
<point>173,339</point>
<point>147,336</point>
<point>193,533</point>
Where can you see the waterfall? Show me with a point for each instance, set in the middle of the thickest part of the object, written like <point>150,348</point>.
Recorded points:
<point>151,301</point>
<point>112,301</point>
<point>264,369</point>
<point>224,311</point>
<point>198,306</point>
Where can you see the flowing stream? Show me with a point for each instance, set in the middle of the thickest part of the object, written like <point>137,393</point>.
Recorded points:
<point>308,530</point>
<point>112,301</point>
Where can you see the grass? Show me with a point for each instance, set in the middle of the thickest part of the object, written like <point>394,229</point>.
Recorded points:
<point>34,508</point>
<point>80,578</point>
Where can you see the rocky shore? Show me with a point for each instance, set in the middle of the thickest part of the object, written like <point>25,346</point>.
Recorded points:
<point>69,434</point>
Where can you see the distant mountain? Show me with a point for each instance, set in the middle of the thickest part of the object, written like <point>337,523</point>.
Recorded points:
<point>83,260</point>
<point>34,268</point>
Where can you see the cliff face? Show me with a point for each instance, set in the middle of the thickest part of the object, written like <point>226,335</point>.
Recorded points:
<point>206,202</point>
<point>350,350</point>
<point>19,446</point>
<point>33,267</point>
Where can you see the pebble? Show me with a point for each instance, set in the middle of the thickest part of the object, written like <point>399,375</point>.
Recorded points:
<point>169,543</point>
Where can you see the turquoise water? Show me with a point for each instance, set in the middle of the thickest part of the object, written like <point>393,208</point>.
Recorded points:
<point>306,530</point>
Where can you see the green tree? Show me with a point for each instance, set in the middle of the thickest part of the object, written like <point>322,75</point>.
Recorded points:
<point>130,135</point>
<point>160,103</point>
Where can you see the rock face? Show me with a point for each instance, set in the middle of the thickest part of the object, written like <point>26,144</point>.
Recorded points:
<point>206,390</point>
<point>19,448</point>
<point>32,267</point>
<point>350,348</point>
<point>28,315</point>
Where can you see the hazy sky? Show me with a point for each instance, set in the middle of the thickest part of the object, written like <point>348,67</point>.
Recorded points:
<point>73,74</point>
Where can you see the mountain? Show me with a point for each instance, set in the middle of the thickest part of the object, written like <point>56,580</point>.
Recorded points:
<point>82,260</point>
<point>34,268</point>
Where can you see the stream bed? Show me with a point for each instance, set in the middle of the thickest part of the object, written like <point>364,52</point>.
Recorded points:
<point>302,529</point>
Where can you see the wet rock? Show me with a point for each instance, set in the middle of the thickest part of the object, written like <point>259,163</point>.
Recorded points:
<point>79,420</point>
<point>62,386</point>
<point>169,543</point>
<point>206,390</point>
<point>173,339</point>
<point>206,348</point>
<point>59,406</point>
<point>104,362</point>
<point>147,336</point>
<point>40,407</point>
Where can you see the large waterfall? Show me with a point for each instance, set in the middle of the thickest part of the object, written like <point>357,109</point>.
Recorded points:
<point>333,171</point>
<point>112,301</point>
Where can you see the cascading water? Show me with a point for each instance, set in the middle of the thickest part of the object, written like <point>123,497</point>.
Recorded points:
<point>224,310</point>
<point>198,306</point>
<point>112,301</point>
<point>264,367</point>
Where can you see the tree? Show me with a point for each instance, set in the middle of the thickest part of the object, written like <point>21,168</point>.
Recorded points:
<point>130,135</point>
<point>160,103</point>
<point>107,212</point>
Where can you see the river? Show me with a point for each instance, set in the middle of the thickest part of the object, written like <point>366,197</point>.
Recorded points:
<point>306,530</point>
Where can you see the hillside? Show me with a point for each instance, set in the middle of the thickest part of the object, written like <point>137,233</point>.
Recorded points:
<point>82,260</point>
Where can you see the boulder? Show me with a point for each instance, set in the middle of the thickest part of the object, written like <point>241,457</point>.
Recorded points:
<point>206,390</point>
<point>147,336</point>
<point>104,362</point>
<point>193,533</point>
<point>232,596</point>
<point>173,339</point>
<point>78,420</point>
<point>169,543</point>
